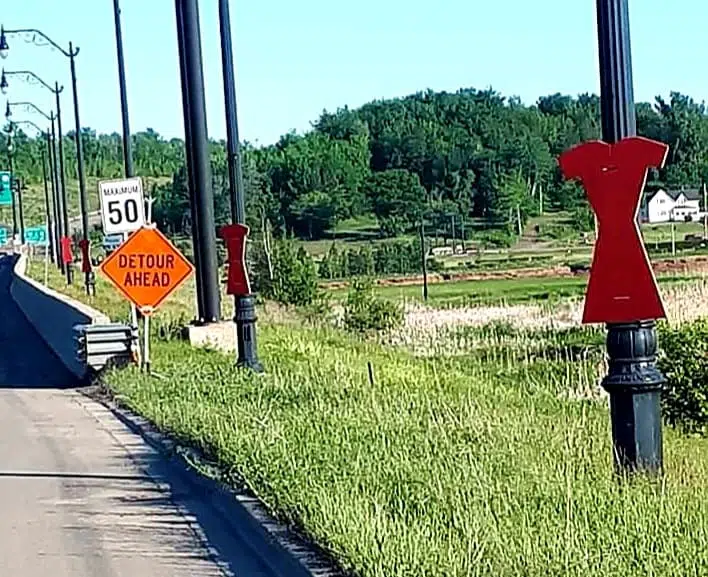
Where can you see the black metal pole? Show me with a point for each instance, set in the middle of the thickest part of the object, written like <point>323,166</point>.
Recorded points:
<point>57,201</point>
<point>83,201</point>
<point>12,192</point>
<point>633,381</point>
<point>245,306</point>
<point>53,183</point>
<point>65,227</point>
<point>22,212</point>
<point>47,205</point>
<point>127,143</point>
<point>189,160</point>
<point>203,194</point>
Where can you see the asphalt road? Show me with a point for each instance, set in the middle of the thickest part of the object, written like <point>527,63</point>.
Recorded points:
<point>81,495</point>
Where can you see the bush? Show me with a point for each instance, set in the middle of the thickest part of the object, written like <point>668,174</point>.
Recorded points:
<point>683,359</point>
<point>383,258</point>
<point>294,274</point>
<point>364,312</point>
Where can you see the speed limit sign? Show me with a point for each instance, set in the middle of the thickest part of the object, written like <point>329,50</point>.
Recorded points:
<point>122,205</point>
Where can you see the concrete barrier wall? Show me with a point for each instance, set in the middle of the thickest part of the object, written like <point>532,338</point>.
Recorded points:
<point>53,315</point>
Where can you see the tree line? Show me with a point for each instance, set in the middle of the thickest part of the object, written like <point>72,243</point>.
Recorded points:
<point>473,159</point>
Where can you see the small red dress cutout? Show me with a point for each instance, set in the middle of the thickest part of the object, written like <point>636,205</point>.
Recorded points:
<point>85,247</point>
<point>622,287</point>
<point>234,236</point>
<point>66,256</point>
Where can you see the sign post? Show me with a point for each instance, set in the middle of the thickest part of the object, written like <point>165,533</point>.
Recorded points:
<point>147,268</point>
<point>123,212</point>
<point>5,189</point>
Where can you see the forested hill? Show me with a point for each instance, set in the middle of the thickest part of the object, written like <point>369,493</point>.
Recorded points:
<point>474,154</point>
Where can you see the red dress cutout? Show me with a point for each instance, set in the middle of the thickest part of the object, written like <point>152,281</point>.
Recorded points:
<point>85,247</point>
<point>622,287</point>
<point>66,256</point>
<point>234,236</point>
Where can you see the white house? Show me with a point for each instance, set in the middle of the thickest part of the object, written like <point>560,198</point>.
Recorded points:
<point>677,205</point>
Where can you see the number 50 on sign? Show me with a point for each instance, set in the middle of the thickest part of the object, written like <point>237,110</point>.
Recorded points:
<point>122,205</point>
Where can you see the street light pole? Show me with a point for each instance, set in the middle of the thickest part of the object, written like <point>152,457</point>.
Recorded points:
<point>89,281</point>
<point>60,182</point>
<point>65,228</point>
<point>51,231</point>
<point>633,381</point>
<point>39,38</point>
<point>44,134</point>
<point>47,205</point>
<point>199,162</point>
<point>58,203</point>
<point>245,306</point>
<point>12,187</point>
<point>18,184</point>
<point>127,143</point>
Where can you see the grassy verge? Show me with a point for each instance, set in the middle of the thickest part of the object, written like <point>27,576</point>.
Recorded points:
<point>440,467</point>
<point>487,465</point>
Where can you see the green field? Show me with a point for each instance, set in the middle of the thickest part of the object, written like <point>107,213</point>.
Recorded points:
<point>500,291</point>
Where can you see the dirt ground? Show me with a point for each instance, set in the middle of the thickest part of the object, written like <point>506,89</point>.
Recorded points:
<point>694,265</point>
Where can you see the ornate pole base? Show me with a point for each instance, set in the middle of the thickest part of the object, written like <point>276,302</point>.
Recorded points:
<point>634,384</point>
<point>245,320</point>
<point>90,282</point>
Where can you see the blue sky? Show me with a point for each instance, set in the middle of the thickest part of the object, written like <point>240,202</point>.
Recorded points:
<point>295,58</point>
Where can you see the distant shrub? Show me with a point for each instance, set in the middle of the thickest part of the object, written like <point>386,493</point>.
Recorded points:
<point>289,276</point>
<point>495,238</point>
<point>557,231</point>
<point>383,258</point>
<point>364,312</point>
<point>683,359</point>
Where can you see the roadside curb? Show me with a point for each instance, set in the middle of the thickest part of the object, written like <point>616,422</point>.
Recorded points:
<point>285,553</point>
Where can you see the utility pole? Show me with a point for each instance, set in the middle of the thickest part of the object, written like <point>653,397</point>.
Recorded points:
<point>127,143</point>
<point>89,280</point>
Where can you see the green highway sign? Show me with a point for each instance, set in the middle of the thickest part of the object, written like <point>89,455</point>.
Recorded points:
<point>3,235</point>
<point>36,235</point>
<point>5,191</point>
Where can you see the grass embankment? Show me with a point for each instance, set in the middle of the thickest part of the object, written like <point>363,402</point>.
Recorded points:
<point>492,463</point>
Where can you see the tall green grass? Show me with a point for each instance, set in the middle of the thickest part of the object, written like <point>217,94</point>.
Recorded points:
<point>493,461</point>
<point>440,466</point>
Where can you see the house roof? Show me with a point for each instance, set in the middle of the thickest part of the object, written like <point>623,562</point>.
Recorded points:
<point>689,193</point>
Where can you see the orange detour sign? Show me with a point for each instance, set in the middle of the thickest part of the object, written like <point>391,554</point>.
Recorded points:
<point>147,268</point>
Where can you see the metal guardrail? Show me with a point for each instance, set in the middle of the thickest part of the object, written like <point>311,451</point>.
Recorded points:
<point>101,345</point>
